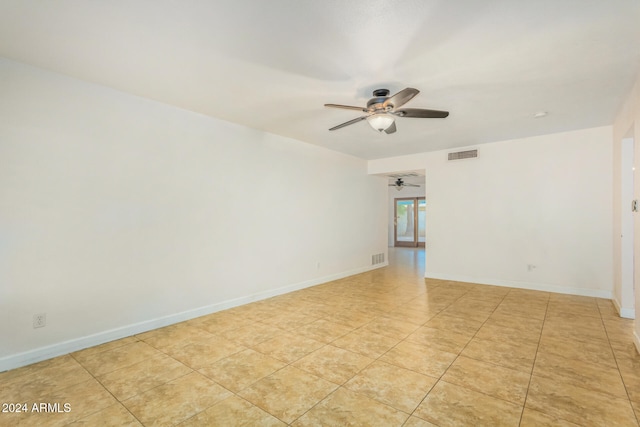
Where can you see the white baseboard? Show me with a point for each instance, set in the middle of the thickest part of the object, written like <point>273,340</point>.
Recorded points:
<point>42,353</point>
<point>598,293</point>
<point>627,313</point>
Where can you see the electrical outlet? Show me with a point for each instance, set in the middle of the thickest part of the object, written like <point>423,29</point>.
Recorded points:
<point>39,320</point>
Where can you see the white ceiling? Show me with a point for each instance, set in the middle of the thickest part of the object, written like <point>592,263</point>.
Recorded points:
<point>271,65</point>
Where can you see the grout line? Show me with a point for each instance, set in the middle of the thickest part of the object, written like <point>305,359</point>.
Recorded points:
<point>533,366</point>
<point>118,402</point>
<point>624,384</point>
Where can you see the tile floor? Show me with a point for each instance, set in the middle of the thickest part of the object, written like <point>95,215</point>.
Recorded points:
<point>383,348</point>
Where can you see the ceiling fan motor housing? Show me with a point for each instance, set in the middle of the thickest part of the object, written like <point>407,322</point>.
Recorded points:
<point>380,96</point>
<point>381,92</point>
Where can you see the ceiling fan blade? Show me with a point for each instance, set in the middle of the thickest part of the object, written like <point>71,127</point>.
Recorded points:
<point>391,129</point>
<point>421,113</point>
<point>411,185</point>
<point>402,97</point>
<point>346,107</point>
<point>350,122</point>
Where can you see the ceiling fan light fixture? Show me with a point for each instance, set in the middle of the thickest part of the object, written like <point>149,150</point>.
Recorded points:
<point>380,121</point>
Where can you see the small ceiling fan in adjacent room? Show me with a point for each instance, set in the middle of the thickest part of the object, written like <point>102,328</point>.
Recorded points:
<point>399,184</point>
<point>382,110</point>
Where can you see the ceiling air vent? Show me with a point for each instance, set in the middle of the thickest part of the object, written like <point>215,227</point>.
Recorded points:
<point>469,154</point>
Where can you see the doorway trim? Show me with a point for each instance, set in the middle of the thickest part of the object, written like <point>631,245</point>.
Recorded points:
<point>626,305</point>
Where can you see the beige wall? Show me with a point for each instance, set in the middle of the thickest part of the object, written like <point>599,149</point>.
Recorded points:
<point>626,126</point>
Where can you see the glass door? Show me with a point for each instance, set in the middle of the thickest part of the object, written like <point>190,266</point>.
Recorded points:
<point>409,222</point>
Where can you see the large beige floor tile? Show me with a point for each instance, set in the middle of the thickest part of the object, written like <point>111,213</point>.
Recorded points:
<point>288,347</point>
<point>632,384</point>
<point>568,332</point>
<point>352,318</point>
<point>223,321</point>
<point>174,336</point>
<point>581,374</point>
<point>519,295</point>
<point>591,352</point>
<point>288,393</point>
<point>233,412</point>
<point>619,337</point>
<point>514,355</point>
<point>467,312</point>
<point>112,416</point>
<point>578,308</point>
<point>419,358</point>
<point>451,405</point>
<point>519,310</point>
<point>366,343</point>
<point>531,418</point>
<point>242,369</point>
<point>523,324</point>
<point>51,364</point>
<point>393,328</point>
<point>441,339</point>
<point>580,330</point>
<point>348,408</point>
<point>176,401</point>
<point>253,334</point>
<point>42,379</point>
<point>627,354</point>
<point>394,386</point>
<point>414,421</point>
<point>118,358</point>
<point>578,405</point>
<point>416,316</point>
<point>135,379</point>
<point>333,363</point>
<point>490,379</point>
<point>290,321</point>
<point>202,351</point>
<point>493,332</point>
<point>636,408</point>
<point>455,323</point>
<point>324,330</point>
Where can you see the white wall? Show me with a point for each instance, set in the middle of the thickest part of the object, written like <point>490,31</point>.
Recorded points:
<point>542,201</point>
<point>119,214</point>
<point>626,127</point>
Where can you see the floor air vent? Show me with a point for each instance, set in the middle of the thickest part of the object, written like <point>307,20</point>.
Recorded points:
<point>377,259</point>
<point>469,154</point>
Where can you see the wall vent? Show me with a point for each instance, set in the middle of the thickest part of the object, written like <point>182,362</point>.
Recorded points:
<point>469,154</point>
<point>377,259</point>
<point>404,175</point>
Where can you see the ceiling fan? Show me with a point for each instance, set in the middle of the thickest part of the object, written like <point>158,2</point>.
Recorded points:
<point>400,184</point>
<point>381,110</point>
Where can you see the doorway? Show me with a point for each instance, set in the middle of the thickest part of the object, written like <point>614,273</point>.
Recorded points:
<point>409,222</point>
